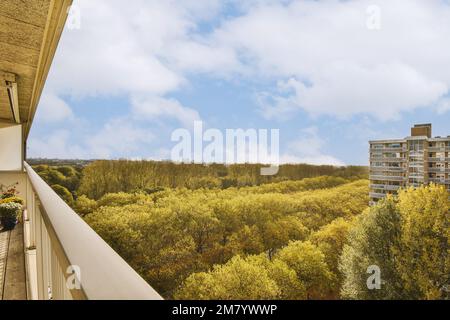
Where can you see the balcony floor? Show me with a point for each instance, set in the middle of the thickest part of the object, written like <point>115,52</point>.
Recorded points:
<point>12,265</point>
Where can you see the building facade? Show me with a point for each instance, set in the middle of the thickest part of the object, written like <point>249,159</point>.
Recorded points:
<point>413,161</point>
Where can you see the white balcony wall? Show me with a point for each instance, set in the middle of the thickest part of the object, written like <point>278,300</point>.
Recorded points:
<point>11,150</point>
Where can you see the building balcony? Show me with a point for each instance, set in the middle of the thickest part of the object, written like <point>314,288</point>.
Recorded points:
<point>389,149</point>
<point>415,185</point>
<point>434,159</point>
<point>386,178</point>
<point>61,257</point>
<point>440,181</point>
<point>386,169</point>
<point>387,159</point>
<point>436,180</point>
<point>436,149</point>
<point>376,195</point>
<point>416,153</point>
<point>384,187</point>
<point>416,165</point>
<point>439,170</point>
<point>416,175</point>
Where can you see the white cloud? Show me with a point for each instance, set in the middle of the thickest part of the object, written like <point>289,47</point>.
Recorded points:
<point>323,51</point>
<point>56,145</point>
<point>383,92</point>
<point>443,106</point>
<point>135,48</point>
<point>323,57</point>
<point>155,107</point>
<point>53,109</point>
<point>119,136</point>
<point>308,148</point>
<point>116,49</point>
<point>139,50</point>
<point>341,67</point>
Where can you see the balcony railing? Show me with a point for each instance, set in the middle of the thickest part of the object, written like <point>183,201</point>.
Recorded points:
<point>389,149</point>
<point>386,178</point>
<point>439,149</point>
<point>439,170</point>
<point>66,259</point>
<point>434,159</point>
<point>387,159</point>
<point>386,169</point>
<point>385,187</point>
<point>416,153</point>
<point>419,176</point>
<point>377,195</point>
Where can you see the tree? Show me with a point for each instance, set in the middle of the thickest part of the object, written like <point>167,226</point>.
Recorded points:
<point>63,193</point>
<point>407,238</point>
<point>168,235</point>
<point>276,234</point>
<point>330,239</point>
<point>371,243</point>
<point>309,264</point>
<point>237,279</point>
<point>83,205</point>
<point>67,171</point>
<point>291,288</point>
<point>246,241</point>
<point>54,177</point>
<point>424,248</point>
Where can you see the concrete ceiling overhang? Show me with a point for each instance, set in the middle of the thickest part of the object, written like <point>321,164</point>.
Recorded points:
<point>29,35</point>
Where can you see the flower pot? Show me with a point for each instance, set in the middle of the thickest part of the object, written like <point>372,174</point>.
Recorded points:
<point>8,223</point>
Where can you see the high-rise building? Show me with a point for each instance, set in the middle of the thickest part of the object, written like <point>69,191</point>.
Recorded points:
<point>412,161</point>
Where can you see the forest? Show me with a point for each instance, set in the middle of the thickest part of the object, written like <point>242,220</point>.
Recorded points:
<point>225,232</point>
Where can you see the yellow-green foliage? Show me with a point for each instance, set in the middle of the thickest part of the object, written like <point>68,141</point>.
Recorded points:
<point>170,234</point>
<point>424,250</point>
<point>65,176</point>
<point>254,278</point>
<point>330,239</point>
<point>12,199</point>
<point>238,279</point>
<point>321,182</point>
<point>83,205</point>
<point>309,264</point>
<point>408,239</point>
<point>63,193</point>
<point>102,177</point>
<point>122,199</point>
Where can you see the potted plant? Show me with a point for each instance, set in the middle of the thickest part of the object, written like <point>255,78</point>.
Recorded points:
<point>9,214</point>
<point>10,207</point>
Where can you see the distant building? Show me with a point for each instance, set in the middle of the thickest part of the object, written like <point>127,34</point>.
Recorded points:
<point>412,161</point>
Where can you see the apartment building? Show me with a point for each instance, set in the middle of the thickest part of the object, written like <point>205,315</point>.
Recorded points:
<point>415,160</point>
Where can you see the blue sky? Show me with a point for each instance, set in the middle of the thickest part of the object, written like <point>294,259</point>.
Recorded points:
<point>329,74</point>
